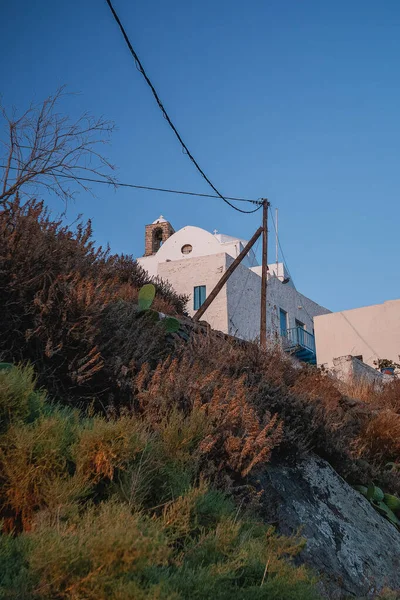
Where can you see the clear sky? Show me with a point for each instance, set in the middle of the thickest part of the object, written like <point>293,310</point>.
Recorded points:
<point>297,101</point>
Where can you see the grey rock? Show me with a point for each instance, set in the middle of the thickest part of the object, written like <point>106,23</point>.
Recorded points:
<point>351,546</point>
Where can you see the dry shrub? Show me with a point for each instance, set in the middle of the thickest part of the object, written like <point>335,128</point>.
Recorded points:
<point>315,415</point>
<point>70,309</point>
<point>54,288</point>
<point>239,439</point>
<point>379,439</point>
<point>228,379</point>
<point>233,437</point>
<point>317,385</point>
<point>359,389</point>
<point>374,412</point>
<point>105,446</point>
<point>389,396</point>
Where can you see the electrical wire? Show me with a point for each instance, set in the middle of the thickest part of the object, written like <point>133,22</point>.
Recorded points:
<point>166,116</point>
<point>147,187</point>
<point>279,244</point>
<point>286,265</point>
<point>358,333</point>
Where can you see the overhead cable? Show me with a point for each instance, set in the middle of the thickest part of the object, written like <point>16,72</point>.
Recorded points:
<point>166,116</point>
<point>287,268</point>
<point>147,187</point>
<point>280,247</point>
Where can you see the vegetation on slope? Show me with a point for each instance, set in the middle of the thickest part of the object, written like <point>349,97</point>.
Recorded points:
<point>67,306</point>
<point>183,425</point>
<point>118,508</point>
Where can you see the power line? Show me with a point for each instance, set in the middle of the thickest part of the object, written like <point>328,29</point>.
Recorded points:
<point>166,116</point>
<point>286,266</point>
<point>358,333</point>
<point>279,244</point>
<point>147,187</point>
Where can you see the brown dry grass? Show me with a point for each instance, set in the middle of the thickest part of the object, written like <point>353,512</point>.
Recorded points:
<point>235,439</point>
<point>70,309</point>
<point>60,297</point>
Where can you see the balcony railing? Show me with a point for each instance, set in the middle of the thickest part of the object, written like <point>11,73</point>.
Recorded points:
<point>300,342</point>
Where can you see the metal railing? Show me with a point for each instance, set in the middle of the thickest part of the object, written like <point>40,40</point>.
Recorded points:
<point>298,336</point>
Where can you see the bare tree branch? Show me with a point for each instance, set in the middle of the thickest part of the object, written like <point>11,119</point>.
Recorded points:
<point>43,148</point>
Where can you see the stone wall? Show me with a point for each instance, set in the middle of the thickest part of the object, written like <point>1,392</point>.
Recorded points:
<point>349,368</point>
<point>165,231</point>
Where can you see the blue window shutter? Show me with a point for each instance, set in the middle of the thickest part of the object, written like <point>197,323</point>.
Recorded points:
<point>199,296</point>
<point>202,294</point>
<point>283,322</point>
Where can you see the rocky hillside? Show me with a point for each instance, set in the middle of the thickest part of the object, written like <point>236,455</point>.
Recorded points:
<point>157,462</point>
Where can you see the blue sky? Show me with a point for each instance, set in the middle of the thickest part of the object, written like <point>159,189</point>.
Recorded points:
<point>295,101</point>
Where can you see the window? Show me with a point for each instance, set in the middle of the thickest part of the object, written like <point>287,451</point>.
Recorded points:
<point>186,249</point>
<point>283,322</point>
<point>199,295</point>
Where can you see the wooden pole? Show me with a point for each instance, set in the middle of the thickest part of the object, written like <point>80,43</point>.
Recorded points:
<point>226,275</point>
<point>264,278</point>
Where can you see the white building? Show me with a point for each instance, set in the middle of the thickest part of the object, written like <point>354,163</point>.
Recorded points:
<point>368,333</point>
<point>193,261</point>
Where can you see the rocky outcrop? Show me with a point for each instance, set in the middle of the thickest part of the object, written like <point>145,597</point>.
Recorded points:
<point>354,550</point>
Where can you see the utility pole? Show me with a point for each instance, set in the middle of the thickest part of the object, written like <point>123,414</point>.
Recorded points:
<point>264,269</point>
<point>226,275</point>
<point>277,243</point>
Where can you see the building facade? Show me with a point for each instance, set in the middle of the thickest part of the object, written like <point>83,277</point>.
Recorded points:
<point>193,261</point>
<point>368,333</point>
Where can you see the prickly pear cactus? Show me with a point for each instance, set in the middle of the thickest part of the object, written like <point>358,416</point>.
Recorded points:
<point>385,504</point>
<point>146,296</point>
<point>171,325</point>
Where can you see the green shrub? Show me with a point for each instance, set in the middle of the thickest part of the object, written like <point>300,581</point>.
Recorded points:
<point>105,446</point>
<point>110,552</point>
<point>118,509</point>
<point>16,578</point>
<point>36,466</point>
<point>19,401</point>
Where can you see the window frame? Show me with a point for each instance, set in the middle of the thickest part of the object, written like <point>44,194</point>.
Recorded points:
<point>284,313</point>
<point>199,296</point>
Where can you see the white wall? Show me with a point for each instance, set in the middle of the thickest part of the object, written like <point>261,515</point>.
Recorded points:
<point>347,369</point>
<point>243,298</point>
<point>203,243</point>
<point>275,269</point>
<point>372,332</point>
<point>184,275</point>
<point>236,310</point>
<point>244,293</point>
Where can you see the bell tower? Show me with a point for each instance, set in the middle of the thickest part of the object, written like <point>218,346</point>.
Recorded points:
<point>156,234</point>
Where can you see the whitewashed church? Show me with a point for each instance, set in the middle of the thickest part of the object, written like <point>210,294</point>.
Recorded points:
<point>193,260</point>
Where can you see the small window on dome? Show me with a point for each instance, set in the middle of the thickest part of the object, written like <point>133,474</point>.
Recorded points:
<point>186,249</point>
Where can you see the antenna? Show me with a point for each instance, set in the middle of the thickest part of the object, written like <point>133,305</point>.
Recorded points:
<point>276,243</point>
